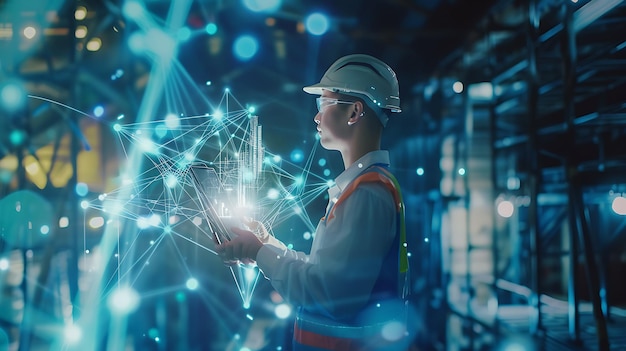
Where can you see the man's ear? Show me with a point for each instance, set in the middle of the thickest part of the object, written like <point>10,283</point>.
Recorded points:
<point>358,112</point>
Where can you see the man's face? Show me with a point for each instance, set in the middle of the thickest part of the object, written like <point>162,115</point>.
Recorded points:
<point>332,120</point>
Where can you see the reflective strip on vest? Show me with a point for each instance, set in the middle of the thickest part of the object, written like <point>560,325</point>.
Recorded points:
<point>377,174</point>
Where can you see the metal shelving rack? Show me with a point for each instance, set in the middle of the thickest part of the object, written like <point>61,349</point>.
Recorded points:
<point>556,119</point>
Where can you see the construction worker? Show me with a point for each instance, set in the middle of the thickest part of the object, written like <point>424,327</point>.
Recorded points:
<point>350,290</point>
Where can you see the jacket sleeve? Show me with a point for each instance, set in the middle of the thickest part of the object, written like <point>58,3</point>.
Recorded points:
<point>348,261</point>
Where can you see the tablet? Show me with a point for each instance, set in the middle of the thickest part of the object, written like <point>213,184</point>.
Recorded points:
<point>203,179</point>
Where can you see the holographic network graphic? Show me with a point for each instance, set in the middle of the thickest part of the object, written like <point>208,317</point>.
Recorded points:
<point>155,210</point>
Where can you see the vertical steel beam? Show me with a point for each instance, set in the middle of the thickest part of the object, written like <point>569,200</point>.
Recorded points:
<point>533,169</point>
<point>569,58</point>
<point>591,265</point>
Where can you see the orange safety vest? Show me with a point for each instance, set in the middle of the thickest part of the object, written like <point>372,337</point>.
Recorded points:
<point>313,333</point>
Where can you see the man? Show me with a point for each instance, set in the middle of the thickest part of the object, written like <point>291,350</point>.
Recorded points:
<point>350,288</point>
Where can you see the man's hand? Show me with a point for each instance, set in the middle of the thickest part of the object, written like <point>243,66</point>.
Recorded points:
<point>243,247</point>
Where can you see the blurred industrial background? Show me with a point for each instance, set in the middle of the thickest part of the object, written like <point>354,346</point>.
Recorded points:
<point>510,150</point>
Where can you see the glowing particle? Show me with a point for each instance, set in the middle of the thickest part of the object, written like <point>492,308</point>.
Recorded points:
<point>123,300</point>
<point>192,284</point>
<point>505,209</point>
<point>81,189</point>
<point>172,121</point>
<point>457,87</point>
<point>245,47</point>
<point>282,311</point>
<point>64,222</point>
<point>96,222</point>
<point>72,334</point>
<point>316,24</point>
<point>30,32</point>
<point>171,180</point>
<point>262,5</point>
<point>419,171</point>
<point>273,194</point>
<point>117,127</point>
<point>619,205</point>
<point>4,264</point>
<point>211,28</point>
<point>84,204</point>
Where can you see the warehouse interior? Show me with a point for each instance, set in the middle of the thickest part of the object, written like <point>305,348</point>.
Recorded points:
<point>507,149</point>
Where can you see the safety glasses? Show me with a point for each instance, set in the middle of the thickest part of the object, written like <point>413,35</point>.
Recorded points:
<point>323,102</point>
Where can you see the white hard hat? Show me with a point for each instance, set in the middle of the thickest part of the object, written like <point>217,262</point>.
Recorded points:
<point>360,74</point>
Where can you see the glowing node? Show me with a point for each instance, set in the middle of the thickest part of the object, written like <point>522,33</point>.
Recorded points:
<point>98,111</point>
<point>461,171</point>
<point>273,194</point>
<point>64,222</point>
<point>299,180</point>
<point>137,42</point>
<point>123,300</point>
<point>192,284</point>
<point>245,47</point>
<point>84,204</point>
<point>326,172</point>
<point>197,221</point>
<point>172,121</point>
<point>96,222</point>
<point>148,146</point>
<point>4,264</point>
<point>251,109</point>
<point>80,13</point>
<point>505,209</point>
<point>44,230</point>
<point>160,130</point>
<point>457,87</point>
<point>276,159</point>
<point>307,235</point>
<point>12,96</point>
<point>81,189</point>
<point>171,180</point>
<point>419,171</point>
<point>208,83</point>
<point>619,205</point>
<point>321,162</point>
<point>246,305</point>
<point>262,5</point>
<point>133,9</point>
<point>94,44</point>
<point>117,127</point>
<point>393,331</point>
<point>317,23</point>
<point>282,311</point>
<point>211,28</point>
<point>72,334</point>
<point>297,155</point>
<point>143,223</point>
<point>80,32</point>
<point>154,220</point>
<point>29,32</point>
<point>218,114</point>
<point>160,43</point>
<point>183,34</point>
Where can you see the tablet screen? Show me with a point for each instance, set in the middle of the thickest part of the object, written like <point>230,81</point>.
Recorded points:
<point>203,179</point>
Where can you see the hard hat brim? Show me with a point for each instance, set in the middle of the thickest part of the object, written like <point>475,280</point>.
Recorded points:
<point>316,89</point>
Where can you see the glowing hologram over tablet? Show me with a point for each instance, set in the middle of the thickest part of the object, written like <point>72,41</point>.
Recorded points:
<point>152,211</point>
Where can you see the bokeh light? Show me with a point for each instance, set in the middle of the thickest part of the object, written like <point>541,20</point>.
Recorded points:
<point>245,47</point>
<point>317,23</point>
